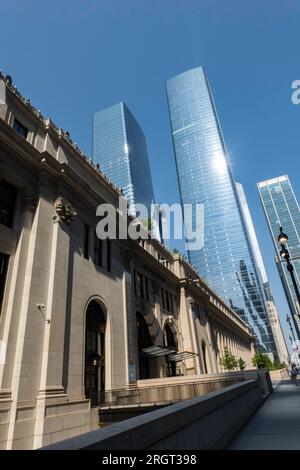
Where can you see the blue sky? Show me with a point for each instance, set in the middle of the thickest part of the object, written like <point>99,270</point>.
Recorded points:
<point>74,57</point>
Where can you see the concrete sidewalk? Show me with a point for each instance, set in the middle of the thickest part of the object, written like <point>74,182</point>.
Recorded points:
<point>276,425</point>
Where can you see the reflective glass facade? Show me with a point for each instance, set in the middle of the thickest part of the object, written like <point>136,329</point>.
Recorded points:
<point>273,316</point>
<point>282,210</point>
<point>119,147</point>
<point>205,177</point>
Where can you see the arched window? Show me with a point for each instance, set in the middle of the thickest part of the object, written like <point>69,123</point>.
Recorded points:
<point>170,342</point>
<point>144,341</point>
<point>94,353</point>
<point>203,347</point>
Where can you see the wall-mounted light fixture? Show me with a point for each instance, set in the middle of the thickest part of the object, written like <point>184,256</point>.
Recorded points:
<point>41,307</point>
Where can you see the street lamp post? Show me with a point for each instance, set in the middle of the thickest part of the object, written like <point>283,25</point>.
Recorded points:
<point>282,239</point>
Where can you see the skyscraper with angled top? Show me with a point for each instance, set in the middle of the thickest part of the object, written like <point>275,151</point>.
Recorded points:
<point>204,175</point>
<point>119,147</point>
<point>273,315</point>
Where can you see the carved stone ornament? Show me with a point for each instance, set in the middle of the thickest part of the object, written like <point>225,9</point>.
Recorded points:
<point>63,211</point>
<point>191,301</point>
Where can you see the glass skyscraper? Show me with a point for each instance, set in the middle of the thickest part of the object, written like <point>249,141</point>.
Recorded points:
<point>282,210</point>
<point>205,177</point>
<point>273,315</point>
<point>119,147</point>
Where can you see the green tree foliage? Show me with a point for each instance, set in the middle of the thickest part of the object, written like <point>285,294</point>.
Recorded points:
<point>242,364</point>
<point>262,361</point>
<point>229,361</point>
<point>147,223</point>
<point>278,365</point>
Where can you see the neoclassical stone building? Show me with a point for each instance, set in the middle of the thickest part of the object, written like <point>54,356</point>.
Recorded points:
<point>80,316</point>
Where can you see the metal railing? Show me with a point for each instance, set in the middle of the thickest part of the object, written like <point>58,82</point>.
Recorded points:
<point>159,394</point>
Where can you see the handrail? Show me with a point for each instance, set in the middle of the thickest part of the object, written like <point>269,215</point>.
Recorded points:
<point>159,394</point>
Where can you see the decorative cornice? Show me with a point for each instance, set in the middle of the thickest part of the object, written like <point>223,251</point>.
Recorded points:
<point>48,124</point>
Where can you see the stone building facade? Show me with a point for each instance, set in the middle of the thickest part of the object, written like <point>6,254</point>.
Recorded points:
<point>80,316</point>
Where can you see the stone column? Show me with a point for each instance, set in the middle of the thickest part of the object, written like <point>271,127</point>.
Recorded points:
<point>55,309</point>
<point>156,294</point>
<point>199,338</point>
<point>234,344</point>
<point>212,352</point>
<point>11,329</point>
<point>188,331</point>
<point>222,342</point>
<point>220,345</point>
<point>29,332</point>
<point>160,362</point>
<point>25,207</point>
<point>130,317</point>
<point>54,313</point>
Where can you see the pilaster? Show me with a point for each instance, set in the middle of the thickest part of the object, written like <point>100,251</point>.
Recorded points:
<point>54,314</point>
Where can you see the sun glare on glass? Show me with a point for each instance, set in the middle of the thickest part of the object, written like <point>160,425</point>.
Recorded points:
<point>219,161</point>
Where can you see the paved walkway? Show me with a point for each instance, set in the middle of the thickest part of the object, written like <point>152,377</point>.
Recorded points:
<point>276,425</point>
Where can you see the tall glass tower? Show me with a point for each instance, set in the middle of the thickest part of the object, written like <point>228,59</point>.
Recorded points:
<point>282,210</point>
<point>119,147</point>
<point>205,177</point>
<point>273,315</point>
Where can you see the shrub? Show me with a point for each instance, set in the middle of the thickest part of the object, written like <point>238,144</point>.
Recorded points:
<point>229,361</point>
<point>262,361</point>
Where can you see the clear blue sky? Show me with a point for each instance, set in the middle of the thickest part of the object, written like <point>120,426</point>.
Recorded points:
<point>74,57</point>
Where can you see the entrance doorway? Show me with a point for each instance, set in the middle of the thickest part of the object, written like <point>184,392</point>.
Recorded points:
<point>94,353</point>
<point>170,342</point>
<point>144,341</point>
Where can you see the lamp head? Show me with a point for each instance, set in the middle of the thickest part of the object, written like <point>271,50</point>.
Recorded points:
<point>282,237</point>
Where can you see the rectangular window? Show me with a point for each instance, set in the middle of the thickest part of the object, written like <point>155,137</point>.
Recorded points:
<point>147,289</point>
<point>167,301</point>
<point>175,303</point>
<point>86,245</point>
<point>108,255</point>
<point>8,194</point>
<point>171,303</point>
<point>3,271</point>
<point>20,128</point>
<point>163,298</point>
<point>140,285</point>
<point>98,251</point>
